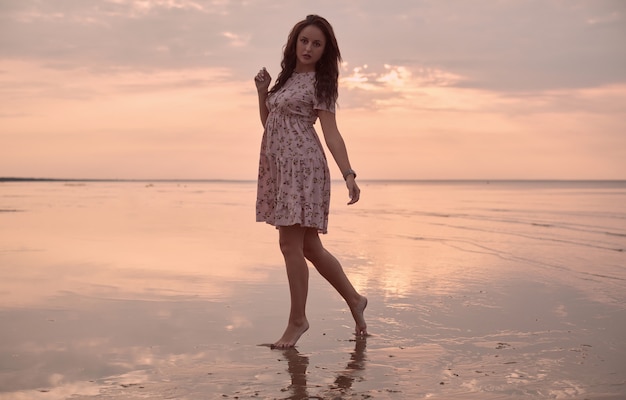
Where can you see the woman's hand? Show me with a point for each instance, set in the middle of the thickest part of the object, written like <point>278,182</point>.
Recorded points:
<point>353,189</point>
<point>262,80</point>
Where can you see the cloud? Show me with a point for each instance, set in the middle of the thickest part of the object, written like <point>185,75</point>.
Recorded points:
<point>396,77</point>
<point>147,6</point>
<point>136,34</point>
<point>237,40</point>
<point>498,45</point>
<point>446,77</point>
<point>424,88</point>
<point>395,86</point>
<point>506,46</point>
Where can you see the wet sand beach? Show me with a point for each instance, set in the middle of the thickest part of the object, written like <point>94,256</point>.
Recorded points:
<point>169,290</point>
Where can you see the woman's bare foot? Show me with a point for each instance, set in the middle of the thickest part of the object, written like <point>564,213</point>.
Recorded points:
<point>291,335</point>
<point>359,319</point>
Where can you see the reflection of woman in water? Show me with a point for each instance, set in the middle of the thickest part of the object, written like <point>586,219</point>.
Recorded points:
<point>297,365</point>
<point>294,182</point>
<point>357,363</point>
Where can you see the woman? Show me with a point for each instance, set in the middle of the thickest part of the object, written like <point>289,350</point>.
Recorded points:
<point>294,181</point>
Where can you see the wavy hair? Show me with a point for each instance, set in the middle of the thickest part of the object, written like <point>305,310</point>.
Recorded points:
<point>326,69</point>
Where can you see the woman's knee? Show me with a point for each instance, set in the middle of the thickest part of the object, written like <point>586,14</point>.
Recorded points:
<point>290,248</point>
<point>291,242</point>
<point>313,249</point>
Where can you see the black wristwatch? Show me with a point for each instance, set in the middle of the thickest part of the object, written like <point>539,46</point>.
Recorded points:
<point>349,172</point>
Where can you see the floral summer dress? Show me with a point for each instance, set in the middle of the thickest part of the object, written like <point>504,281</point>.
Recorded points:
<point>294,181</point>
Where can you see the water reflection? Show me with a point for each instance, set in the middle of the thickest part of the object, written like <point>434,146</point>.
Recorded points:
<point>169,238</point>
<point>356,364</point>
<point>298,363</point>
<point>114,279</point>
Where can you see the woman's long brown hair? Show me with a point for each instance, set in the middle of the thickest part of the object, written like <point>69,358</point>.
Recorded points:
<point>326,69</point>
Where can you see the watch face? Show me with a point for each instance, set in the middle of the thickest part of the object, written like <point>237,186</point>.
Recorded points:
<point>349,172</point>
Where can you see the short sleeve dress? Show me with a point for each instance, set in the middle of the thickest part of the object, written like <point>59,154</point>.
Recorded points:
<point>294,180</point>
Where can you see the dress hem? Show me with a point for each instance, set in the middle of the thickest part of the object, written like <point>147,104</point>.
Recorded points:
<point>319,230</point>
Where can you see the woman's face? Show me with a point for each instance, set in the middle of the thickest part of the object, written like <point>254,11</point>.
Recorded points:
<point>309,48</point>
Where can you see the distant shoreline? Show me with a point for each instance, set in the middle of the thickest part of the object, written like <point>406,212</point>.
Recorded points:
<point>18,179</point>
<point>398,181</point>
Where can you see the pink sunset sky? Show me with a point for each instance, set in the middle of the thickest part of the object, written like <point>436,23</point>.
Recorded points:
<point>163,89</point>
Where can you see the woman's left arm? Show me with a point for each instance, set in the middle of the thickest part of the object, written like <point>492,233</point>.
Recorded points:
<point>337,147</point>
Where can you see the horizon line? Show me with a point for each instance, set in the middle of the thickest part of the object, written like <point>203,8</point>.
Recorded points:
<point>43,179</point>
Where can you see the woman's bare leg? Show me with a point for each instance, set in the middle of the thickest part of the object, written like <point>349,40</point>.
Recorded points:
<point>330,268</point>
<point>292,246</point>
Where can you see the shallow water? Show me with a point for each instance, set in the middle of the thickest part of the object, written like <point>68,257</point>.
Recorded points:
<point>166,290</point>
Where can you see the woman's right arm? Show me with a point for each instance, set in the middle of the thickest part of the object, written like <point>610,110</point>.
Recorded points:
<point>263,111</point>
<point>262,81</point>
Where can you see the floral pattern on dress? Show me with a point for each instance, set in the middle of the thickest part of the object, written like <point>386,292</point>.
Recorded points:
<point>294,180</point>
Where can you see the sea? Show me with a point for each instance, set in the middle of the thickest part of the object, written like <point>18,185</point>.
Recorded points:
<point>170,289</point>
